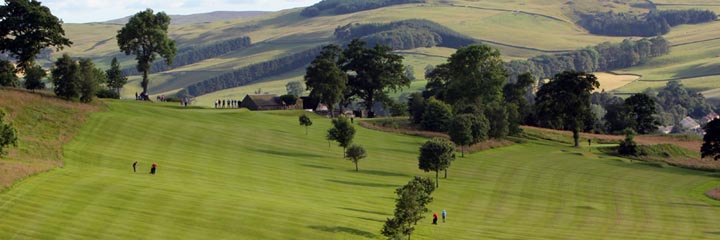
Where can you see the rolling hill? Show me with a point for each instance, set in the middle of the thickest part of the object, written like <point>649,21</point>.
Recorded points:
<point>520,29</point>
<point>201,17</point>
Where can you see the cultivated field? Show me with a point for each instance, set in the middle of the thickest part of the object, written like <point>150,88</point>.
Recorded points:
<point>234,174</point>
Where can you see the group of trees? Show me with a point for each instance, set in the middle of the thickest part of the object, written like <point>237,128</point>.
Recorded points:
<point>249,74</point>
<point>468,98</point>
<point>189,55</point>
<point>603,57</point>
<point>405,34</point>
<point>337,7</point>
<point>337,75</point>
<point>654,23</point>
<point>76,80</point>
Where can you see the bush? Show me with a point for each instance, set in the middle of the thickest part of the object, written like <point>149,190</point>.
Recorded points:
<point>628,147</point>
<point>107,93</point>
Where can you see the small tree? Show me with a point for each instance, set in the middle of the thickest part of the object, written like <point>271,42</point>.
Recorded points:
<point>410,72</point>
<point>354,153</point>
<point>115,76</point>
<point>90,79</point>
<point>8,135</point>
<point>289,99</point>
<point>436,155</point>
<point>410,206</point>
<point>342,132</point>
<point>711,140</point>
<point>460,131</point>
<point>628,146</point>
<point>7,74</point>
<point>33,78</point>
<point>305,121</point>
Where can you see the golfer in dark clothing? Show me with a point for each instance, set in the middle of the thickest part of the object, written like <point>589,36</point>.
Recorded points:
<point>135,166</point>
<point>153,168</point>
<point>435,218</point>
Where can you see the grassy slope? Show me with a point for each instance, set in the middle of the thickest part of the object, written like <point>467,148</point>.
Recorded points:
<point>238,174</point>
<point>44,124</point>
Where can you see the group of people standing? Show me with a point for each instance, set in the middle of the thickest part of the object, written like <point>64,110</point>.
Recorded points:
<point>435,216</point>
<point>227,103</point>
<point>153,168</point>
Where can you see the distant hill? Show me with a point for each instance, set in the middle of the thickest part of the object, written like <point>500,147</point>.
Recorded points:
<point>202,17</point>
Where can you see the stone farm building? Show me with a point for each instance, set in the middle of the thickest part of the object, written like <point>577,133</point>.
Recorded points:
<point>265,102</point>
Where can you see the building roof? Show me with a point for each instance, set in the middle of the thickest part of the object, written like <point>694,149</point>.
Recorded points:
<point>265,100</point>
<point>689,123</point>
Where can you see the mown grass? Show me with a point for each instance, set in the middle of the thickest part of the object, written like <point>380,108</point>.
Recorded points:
<point>256,175</point>
<point>44,123</point>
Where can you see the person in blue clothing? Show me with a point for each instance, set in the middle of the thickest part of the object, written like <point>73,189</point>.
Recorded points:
<point>444,214</point>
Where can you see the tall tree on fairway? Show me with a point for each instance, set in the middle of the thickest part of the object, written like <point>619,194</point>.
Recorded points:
<point>26,28</point>
<point>354,153</point>
<point>305,121</point>
<point>374,72</point>
<point>436,155</point>
<point>460,131</point>
<point>8,135</point>
<point>342,132</point>
<point>115,77</point>
<point>564,102</point>
<point>146,36</point>
<point>711,140</point>
<point>324,78</point>
<point>33,78</point>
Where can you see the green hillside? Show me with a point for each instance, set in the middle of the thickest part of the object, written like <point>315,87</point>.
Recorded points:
<point>256,175</point>
<point>520,29</point>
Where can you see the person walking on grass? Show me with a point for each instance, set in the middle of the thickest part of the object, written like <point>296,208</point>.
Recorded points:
<point>435,218</point>
<point>444,214</point>
<point>153,169</point>
<point>135,167</point>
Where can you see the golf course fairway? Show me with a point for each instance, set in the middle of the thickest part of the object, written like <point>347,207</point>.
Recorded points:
<point>236,174</point>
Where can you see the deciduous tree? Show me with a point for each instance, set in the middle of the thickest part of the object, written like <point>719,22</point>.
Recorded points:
<point>33,78</point>
<point>460,131</point>
<point>66,78</point>
<point>410,206</point>
<point>354,153</point>
<point>305,121</point>
<point>8,135</point>
<point>342,132</point>
<point>8,78</point>
<point>564,102</point>
<point>146,36</point>
<point>436,155</point>
<point>27,27</point>
<point>324,78</point>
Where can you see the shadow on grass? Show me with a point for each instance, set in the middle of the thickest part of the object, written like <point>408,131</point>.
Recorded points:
<point>693,205</point>
<point>370,219</point>
<point>288,154</point>
<point>364,211</point>
<point>398,150</point>
<point>363,184</point>
<point>714,233</point>
<point>338,229</point>
<point>380,173</point>
<point>315,166</point>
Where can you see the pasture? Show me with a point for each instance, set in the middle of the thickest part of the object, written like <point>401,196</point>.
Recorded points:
<point>235,174</point>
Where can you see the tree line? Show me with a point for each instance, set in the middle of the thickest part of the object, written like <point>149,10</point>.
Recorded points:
<point>249,74</point>
<point>406,34</point>
<point>337,7</point>
<point>602,57</point>
<point>654,23</point>
<point>194,54</point>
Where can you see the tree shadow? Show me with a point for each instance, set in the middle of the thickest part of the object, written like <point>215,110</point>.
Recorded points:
<point>381,173</point>
<point>363,184</point>
<point>693,205</point>
<point>338,229</point>
<point>714,233</point>
<point>364,211</point>
<point>370,219</point>
<point>315,166</point>
<point>288,153</point>
<point>398,150</point>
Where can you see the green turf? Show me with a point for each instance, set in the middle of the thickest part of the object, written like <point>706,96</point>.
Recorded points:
<point>236,174</point>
